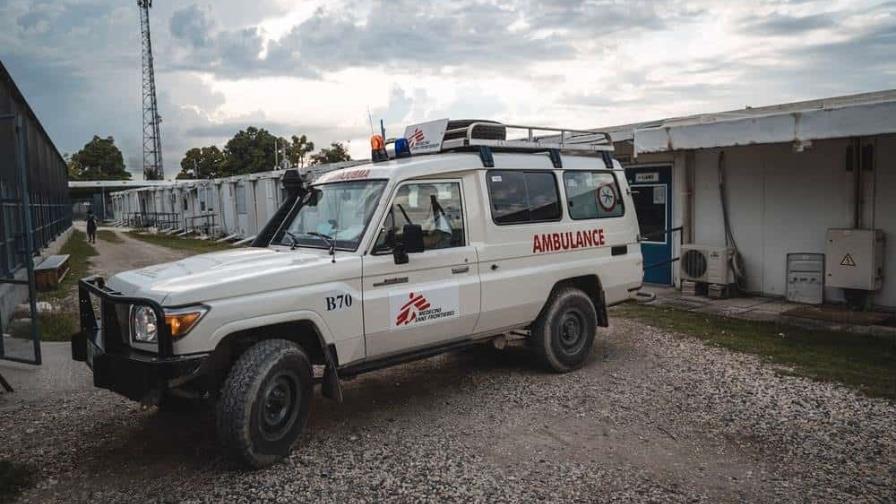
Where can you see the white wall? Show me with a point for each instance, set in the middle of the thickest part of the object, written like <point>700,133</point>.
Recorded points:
<point>781,201</point>
<point>883,203</point>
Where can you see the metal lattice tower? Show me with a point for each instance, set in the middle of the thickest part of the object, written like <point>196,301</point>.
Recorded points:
<point>152,140</point>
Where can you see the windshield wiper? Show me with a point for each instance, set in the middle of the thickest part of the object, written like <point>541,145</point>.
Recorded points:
<point>331,243</point>
<point>293,238</point>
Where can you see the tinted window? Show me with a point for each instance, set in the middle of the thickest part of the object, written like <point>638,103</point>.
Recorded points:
<point>650,203</point>
<point>523,196</point>
<point>592,195</point>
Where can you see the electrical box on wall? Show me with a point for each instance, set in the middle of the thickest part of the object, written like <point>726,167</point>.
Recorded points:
<point>854,259</point>
<point>805,278</point>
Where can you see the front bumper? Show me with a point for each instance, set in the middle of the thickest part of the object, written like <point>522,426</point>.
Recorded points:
<point>102,344</point>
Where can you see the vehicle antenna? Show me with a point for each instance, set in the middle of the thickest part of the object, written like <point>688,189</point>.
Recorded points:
<point>370,119</point>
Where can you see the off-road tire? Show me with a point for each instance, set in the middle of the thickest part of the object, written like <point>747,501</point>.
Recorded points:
<point>248,425</point>
<point>563,335</point>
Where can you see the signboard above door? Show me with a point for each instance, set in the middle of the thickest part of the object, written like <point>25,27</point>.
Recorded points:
<point>647,177</point>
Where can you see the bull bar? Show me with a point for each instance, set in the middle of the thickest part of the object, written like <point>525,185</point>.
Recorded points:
<point>103,345</point>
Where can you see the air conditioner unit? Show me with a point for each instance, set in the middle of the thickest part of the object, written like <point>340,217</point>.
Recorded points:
<point>702,263</point>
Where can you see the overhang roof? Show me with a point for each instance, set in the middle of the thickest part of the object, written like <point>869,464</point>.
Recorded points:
<point>838,117</point>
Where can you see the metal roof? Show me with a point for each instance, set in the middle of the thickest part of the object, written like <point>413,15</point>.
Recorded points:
<point>17,94</point>
<point>116,184</point>
<point>837,117</point>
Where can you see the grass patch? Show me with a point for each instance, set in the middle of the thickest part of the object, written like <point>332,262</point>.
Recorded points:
<point>14,478</point>
<point>178,243</point>
<point>79,252</point>
<point>109,236</point>
<point>864,362</point>
<point>56,326</point>
<point>60,325</point>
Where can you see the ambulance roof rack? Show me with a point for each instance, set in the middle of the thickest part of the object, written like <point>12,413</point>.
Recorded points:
<point>486,137</point>
<point>534,138</point>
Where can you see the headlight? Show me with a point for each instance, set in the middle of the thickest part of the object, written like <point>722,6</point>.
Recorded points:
<point>144,326</point>
<point>144,323</point>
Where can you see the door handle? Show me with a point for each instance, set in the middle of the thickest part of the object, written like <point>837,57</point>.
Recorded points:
<point>460,269</point>
<point>391,281</point>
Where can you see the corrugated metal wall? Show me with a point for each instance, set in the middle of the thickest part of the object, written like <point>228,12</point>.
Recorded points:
<point>47,180</point>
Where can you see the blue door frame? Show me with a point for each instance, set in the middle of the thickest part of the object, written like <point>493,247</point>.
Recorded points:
<point>652,194</point>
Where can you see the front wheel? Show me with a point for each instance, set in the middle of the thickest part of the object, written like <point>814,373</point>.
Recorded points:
<point>265,402</point>
<point>563,335</point>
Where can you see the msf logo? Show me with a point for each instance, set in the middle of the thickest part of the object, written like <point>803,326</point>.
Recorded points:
<point>408,312</point>
<point>415,137</point>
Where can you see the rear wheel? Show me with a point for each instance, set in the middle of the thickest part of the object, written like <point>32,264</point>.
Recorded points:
<point>563,335</point>
<point>265,402</point>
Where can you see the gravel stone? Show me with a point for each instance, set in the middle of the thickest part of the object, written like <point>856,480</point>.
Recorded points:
<point>651,418</point>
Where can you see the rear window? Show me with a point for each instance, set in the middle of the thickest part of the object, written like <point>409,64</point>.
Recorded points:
<point>518,197</point>
<point>592,195</point>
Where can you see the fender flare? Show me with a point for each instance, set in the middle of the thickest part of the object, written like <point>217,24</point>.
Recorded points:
<point>331,387</point>
<point>324,334</point>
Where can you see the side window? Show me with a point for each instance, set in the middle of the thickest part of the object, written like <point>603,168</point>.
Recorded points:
<point>592,195</point>
<point>518,197</point>
<point>435,206</point>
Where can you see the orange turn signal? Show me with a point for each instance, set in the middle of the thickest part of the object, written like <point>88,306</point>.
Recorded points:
<point>180,324</point>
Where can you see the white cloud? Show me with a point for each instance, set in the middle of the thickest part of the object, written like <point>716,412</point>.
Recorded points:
<point>318,67</point>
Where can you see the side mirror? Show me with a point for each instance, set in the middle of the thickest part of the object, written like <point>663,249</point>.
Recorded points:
<point>411,243</point>
<point>399,254</point>
<point>413,238</point>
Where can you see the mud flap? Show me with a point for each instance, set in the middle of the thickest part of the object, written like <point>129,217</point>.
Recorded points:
<point>331,388</point>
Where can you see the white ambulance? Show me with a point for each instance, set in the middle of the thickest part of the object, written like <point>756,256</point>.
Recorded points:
<point>458,233</point>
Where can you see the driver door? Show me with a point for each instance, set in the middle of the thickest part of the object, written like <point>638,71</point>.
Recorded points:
<point>434,297</point>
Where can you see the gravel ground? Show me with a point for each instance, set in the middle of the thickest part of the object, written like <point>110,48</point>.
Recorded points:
<point>652,418</point>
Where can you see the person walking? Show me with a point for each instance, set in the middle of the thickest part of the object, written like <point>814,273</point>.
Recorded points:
<point>91,226</point>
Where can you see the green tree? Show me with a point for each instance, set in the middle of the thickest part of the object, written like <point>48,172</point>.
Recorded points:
<point>250,151</point>
<point>333,154</point>
<point>100,159</point>
<point>202,163</point>
<point>298,149</point>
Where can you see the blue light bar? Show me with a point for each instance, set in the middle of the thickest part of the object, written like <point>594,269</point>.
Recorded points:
<point>402,149</point>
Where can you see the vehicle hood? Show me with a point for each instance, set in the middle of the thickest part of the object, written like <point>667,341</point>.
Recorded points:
<point>231,273</point>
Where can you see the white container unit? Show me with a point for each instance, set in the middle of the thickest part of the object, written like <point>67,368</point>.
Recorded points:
<point>267,197</point>
<point>227,206</point>
<point>241,205</point>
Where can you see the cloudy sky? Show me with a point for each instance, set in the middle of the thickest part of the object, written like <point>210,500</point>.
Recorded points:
<point>318,67</point>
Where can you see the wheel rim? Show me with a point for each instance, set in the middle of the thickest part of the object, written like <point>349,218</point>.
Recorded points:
<point>279,405</point>
<point>571,332</point>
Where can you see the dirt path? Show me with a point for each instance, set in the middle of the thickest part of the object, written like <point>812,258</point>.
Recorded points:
<point>59,374</point>
<point>130,254</point>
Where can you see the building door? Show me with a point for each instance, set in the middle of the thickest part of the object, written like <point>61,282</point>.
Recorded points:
<point>651,192</point>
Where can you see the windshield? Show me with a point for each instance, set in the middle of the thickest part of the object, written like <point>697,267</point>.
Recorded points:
<point>337,212</point>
